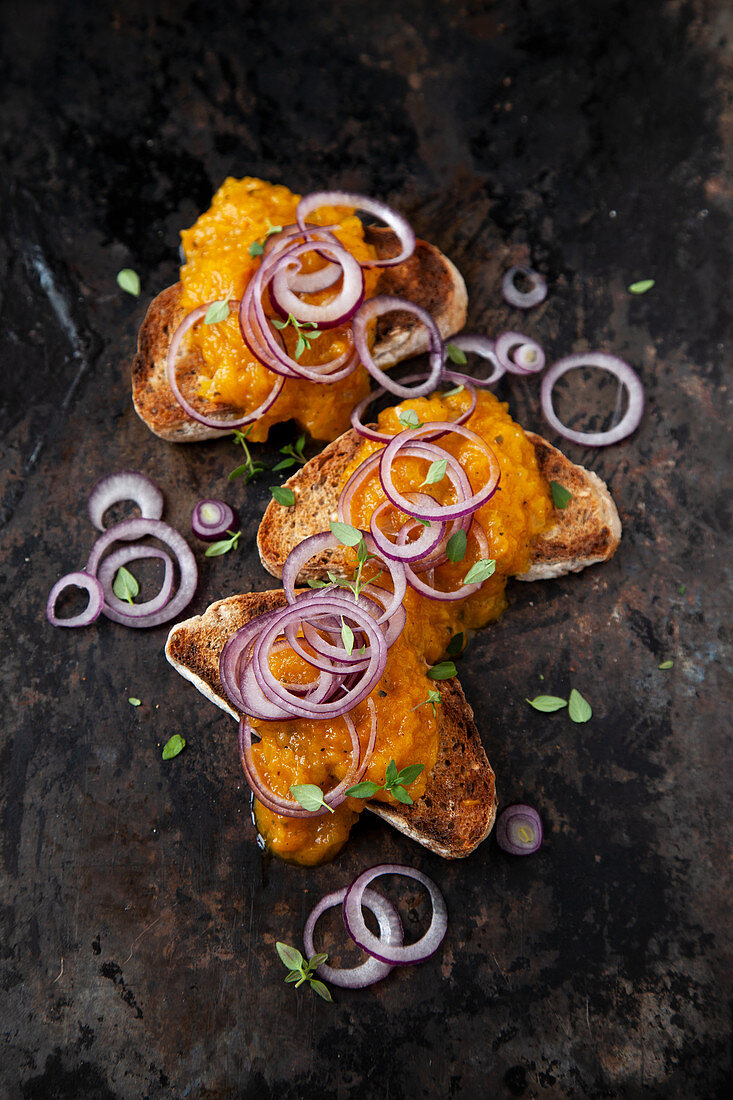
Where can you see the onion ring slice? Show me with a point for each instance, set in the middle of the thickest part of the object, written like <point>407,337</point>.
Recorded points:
<point>399,225</point>
<point>125,485</point>
<point>625,374</point>
<point>372,970</point>
<point>92,611</point>
<point>386,303</point>
<point>523,299</point>
<point>397,954</point>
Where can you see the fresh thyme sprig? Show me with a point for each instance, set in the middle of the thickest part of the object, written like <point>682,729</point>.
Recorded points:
<point>394,782</point>
<point>294,454</point>
<point>300,971</point>
<point>304,338</point>
<point>248,469</point>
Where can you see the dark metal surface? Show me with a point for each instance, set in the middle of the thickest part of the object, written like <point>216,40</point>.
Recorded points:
<point>138,916</point>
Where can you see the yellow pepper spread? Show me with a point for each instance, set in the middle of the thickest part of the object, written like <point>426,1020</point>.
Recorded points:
<point>219,265</point>
<point>319,752</point>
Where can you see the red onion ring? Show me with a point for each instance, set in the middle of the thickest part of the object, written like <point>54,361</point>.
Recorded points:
<point>93,609</point>
<point>135,529</point>
<point>328,314</point>
<point>209,422</point>
<point>125,485</point>
<point>380,210</point>
<point>370,971</point>
<point>519,354</point>
<point>519,298</point>
<point>386,303</point>
<point>288,807</point>
<point>484,347</point>
<point>429,540</point>
<point>212,519</point>
<point>625,374</point>
<point>508,824</point>
<point>404,441</point>
<point>458,593</point>
<point>384,437</point>
<point>108,570</point>
<point>394,954</point>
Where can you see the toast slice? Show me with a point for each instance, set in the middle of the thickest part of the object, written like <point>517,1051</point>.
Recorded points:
<point>584,533</point>
<point>427,278</point>
<point>458,808</point>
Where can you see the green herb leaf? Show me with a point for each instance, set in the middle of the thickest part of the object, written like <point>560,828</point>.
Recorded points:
<point>390,776</point>
<point>442,671</point>
<point>134,702</point>
<point>342,582</point>
<point>293,976</point>
<point>309,796</point>
<point>367,789</point>
<point>683,589</point>
<point>409,419</point>
<point>223,546</point>
<point>400,794</point>
<point>409,774</point>
<point>561,496</point>
<point>272,229</point>
<point>173,746</point>
<point>362,554</point>
<point>480,572</point>
<point>125,587</point>
<point>456,355</point>
<point>547,703</point>
<point>434,697</point>
<point>579,708</point>
<point>456,546</point>
<point>346,534</point>
<point>284,464</point>
<point>642,286</point>
<point>666,664</point>
<point>256,248</point>
<point>347,636</point>
<point>300,347</point>
<point>316,583</point>
<point>436,472</point>
<point>455,645</point>
<point>217,311</point>
<point>321,989</point>
<point>290,955</point>
<point>285,497</point>
<point>279,324</point>
<point>454,391</point>
<point>129,280</point>
<point>317,960</point>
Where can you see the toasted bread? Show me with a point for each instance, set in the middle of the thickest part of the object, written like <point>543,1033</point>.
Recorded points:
<point>584,533</point>
<point>459,805</point>
<point>427,278</point>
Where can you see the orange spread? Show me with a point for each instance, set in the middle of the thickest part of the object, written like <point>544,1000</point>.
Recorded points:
<point>318,752</point>
<point>218,265</point>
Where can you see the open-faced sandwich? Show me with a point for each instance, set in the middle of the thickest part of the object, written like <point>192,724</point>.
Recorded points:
<point>405,532</point>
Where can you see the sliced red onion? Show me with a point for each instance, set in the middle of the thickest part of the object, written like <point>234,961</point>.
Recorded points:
<point>108,571</point>
<point>429,539</point>
<point>212,519</point>
<point>210,422</point>
<point>327,314</point>
<point>304,708</point>
<point>384,437</point>
<point>136,529</point>
<point>288,807</point>
<point>125,485</point>
<point>484,347</point>
<point>524,299</point>
<point>391,933</point>
<point>380,210</point>
<point>519,354</point>
<point>625,374</point>
<point>395,954</point>
<point>519,830</point>
<point>427,589</point>
<point>92,611</point>
<point>405,443</point>
<point>387,303</point>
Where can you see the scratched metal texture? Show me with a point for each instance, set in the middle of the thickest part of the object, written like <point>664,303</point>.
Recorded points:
<point>138,916</point>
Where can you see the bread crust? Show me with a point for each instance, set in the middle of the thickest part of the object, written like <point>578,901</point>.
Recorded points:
<point>427,278</point>
<point>458,808</point>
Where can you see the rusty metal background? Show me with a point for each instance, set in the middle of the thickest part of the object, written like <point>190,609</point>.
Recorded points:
<point>138,916</point>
